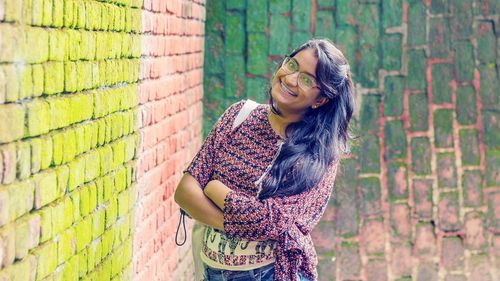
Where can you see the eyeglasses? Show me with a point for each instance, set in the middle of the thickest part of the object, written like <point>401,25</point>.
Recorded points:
<point>305,81</point>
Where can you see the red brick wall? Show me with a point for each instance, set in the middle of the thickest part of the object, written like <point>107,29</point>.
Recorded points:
<point>169,119</point>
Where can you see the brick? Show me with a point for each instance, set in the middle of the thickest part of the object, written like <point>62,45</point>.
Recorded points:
<point>416,23</point>
<point>83,233</point>
<point>369,114</point>
<point>447,173</point>
<point>47,13</point>
<point>475,232</point>
<point>401,264</point>
<point>466,114</point>
<point>47,152</point>
<point>254,88</point>
<point>392,51</point>
<point>58,146</point>
<point>45,188</point>
<point>38,114</point>
<point>455,277</point>
<point>12,116</point>
<point>425,240</point>
<point>256,16</point>
<point>12,83</point>
<point>393,95</point>
<point>324,25</point>
<point>418,110</point>
<point>236,5</point>
<point>234,77</point>
<point>38,76</point>
<point>439,6</point>
<point>376,270</point>
<point>439,37</point>
<point>23,160</point>
<point>98,222</point>
<point>448,209</point>
<point>66,245</point>
<point>11,33</point>
<point>469,146</point>
<point>76,173</point>
<point>12,11</point>
<point>492,164</point>
<point>427,271</point>
<point>372,233</point>
<point>461,21</point>
<point>37,37</point>
<point>301,15</point>
<point>441,85</point>
<point>486,42</point>
<point>299,38</point>
<point>54,77</point>
<point>25,81</point>
<point>480,268</point>
<point>346,40</point>
<point>58,45</point>
<point>349,260</point>
<point>392,13</point>
<point>370,154</point>
<point>46,256</point>
<point>8,153</point>
<point>491,126</point>
<point>62,173</point>
<point>45,224</point>
<point>443,128</point>
<point>257,53</point>
<point>22,270</point>
<point>416,70</point>
<point>464,61</point>
<point>486,7</point>
<point>494,211</point>
<point>370,194</point>
<point>397,180</point>
<point>345,199</point>
<point>420,156</point>
<point>8,247</point>
<point>4,207</point>
<point>235,33</point>
<point>275,6</point>
<point>20,198</point>
<point>400,221</point>
<point>395,140</point>
<point>346,12</point>
<point>472,183</point>
<point>279,37</point>
<point>452,253</point>
<point>215,52</point>
<point>489,87</point>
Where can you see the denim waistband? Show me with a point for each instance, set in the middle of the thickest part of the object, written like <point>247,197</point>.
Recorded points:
<point>261,273</point>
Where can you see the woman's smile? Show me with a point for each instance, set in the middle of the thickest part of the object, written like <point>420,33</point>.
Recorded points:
<point>285,90</point>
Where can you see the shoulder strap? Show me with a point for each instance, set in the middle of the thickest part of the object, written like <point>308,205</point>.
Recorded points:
<point>247,108</point>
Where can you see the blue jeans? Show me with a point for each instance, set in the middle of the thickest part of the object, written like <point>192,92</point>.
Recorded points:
<point>265,273</point>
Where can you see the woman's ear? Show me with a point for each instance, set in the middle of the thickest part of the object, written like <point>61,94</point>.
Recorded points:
<point>321,100</point>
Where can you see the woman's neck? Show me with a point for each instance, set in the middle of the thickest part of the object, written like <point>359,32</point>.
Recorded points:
<point>280,122</point>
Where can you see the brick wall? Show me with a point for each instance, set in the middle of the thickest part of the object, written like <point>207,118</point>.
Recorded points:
<point>169,111</point>
<point>420,197</point>
<point>68,102</point>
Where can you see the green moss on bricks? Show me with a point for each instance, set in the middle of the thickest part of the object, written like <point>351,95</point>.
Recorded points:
<point>36,154</point>
<point>469,146</point>
<point>46,259</point>
<point>38,114</point>
<point>279,37</point>
<point>392,49</point>
<point>21,198</point>
<point>441,83</point>
<point>47,152</point>
<point>397,180</point>
<point>257,53</point>
<point>45,188</point>
<point>83,233</point>
<point>439,37</point>
<point>443,128</point>
<point>491,125</point>
<point>301,15</point>
<point>38,76</point>
<point>395,139</point>
<point>92,167</point>
<point>325,24</point>
<point>393,95</point>
<point>464,60</point>
<point>23,160</point>
<point>370,153</point>
<point>492,174</point>
<point>416,69</point>
<point>12,115</point>
<point>256,15</point>
<point>421,156</point>
<point>489,87</point>
<point>25,75</point>
<point>76,173</point>
<point>111,212</point>
<point>466,114</point>
<point>54,77</point>
<point>98,223</point>
<point>62,178</point>
<point>69,147</point>
<point>416,23</point>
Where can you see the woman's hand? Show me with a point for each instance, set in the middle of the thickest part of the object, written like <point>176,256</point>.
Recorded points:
<point>217,192</point>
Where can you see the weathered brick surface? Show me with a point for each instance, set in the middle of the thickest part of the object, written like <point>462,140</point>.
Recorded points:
<point>424,174</point>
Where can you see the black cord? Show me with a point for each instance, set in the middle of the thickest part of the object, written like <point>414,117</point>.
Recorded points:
<point>181,220</point>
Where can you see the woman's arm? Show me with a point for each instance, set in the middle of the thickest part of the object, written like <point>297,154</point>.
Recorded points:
<point>189,196</point>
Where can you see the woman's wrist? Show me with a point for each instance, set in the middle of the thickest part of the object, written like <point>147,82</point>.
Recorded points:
<point>217,192</point>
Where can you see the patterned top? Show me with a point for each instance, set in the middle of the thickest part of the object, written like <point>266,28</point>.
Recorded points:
<point>238,158</point>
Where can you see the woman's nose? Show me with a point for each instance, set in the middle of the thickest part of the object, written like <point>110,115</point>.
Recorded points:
<point>292,79</point>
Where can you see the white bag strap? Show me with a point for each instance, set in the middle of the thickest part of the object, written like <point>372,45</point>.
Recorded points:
<point>247,108</point>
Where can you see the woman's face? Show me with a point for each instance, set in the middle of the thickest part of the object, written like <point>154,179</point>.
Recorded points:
<point>288,96</point>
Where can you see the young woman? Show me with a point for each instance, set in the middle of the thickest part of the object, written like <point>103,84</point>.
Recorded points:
<point>262,187</point>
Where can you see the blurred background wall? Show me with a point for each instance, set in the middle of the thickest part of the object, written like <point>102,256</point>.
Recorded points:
<point>419,199</point>
<point>101,109</point>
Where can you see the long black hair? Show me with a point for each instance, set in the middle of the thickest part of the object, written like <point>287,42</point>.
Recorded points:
<point>322,135</point>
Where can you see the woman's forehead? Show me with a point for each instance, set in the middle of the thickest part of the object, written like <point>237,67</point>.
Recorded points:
<point>307,61</point>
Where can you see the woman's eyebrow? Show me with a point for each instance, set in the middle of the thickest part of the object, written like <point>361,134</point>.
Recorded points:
<point>304,71</point>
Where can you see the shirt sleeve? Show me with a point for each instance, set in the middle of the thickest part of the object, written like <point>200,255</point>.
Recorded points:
<point>276,218</point>
<point>202,165</point>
